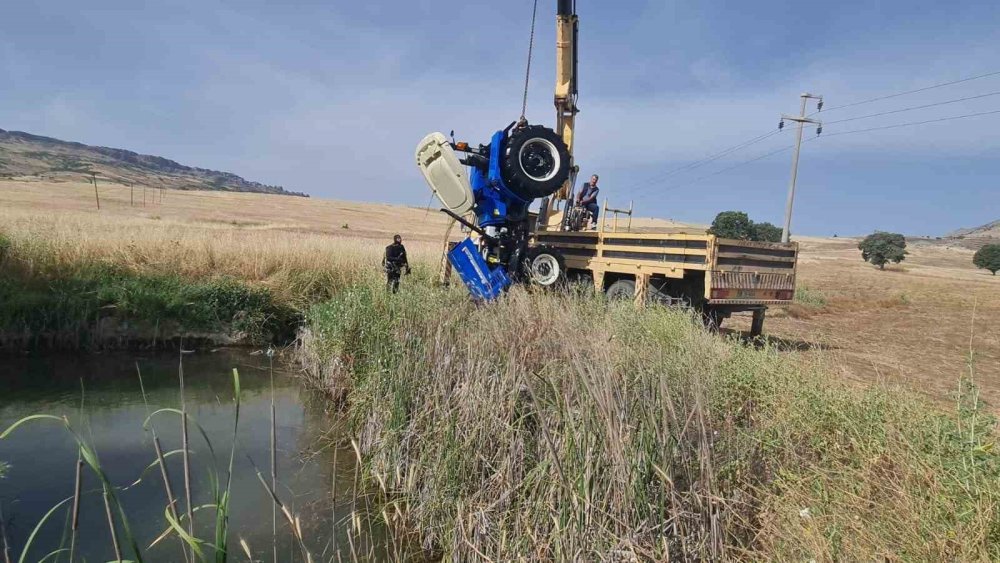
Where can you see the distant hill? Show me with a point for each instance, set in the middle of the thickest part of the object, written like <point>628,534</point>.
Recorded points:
<point>989,229</point>
<point>24,156</point>
<point>976,237</point>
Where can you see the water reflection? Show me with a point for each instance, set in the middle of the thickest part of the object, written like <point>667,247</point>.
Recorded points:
<point>42,455</point>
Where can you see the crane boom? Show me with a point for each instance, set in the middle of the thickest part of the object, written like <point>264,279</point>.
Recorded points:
<point>567,31</point>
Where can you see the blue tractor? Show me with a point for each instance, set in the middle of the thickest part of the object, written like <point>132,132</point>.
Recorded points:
<point>489,189</point>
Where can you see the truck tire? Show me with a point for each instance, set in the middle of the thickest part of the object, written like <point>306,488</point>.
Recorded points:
<point>544,266</point>
<point>535,162</point>
<point>621,290</point>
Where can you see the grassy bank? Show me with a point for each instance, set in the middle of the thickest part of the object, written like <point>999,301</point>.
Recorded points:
<point>81,281</point>
<point>558,427</point>
<point>48,302</point>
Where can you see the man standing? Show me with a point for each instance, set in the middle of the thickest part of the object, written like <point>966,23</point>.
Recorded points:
<point>588,199</point>
<point>394,263</point>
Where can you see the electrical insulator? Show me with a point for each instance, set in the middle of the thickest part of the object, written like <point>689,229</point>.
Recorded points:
<point>819,106</point>
<point>781,125</point>
<point>819,130</point>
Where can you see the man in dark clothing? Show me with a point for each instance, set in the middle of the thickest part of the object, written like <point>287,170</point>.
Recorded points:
<point>395,263</point>
<point>588,199</point>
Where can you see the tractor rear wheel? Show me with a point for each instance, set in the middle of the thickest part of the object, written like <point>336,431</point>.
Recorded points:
<point>536,162</point>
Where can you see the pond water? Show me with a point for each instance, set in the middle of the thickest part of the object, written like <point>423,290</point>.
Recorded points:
<point>42,455</point>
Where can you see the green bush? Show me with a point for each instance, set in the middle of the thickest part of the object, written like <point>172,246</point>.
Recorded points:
<point>5,246</point>
<point>766,232</point>
<point>987,258</point>
<point>880,248</point>
<point>810,297</point>
<point>737,225</point>
<point>732,224</point>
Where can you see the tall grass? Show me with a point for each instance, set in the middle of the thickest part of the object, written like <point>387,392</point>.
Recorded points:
<point>80,284</point>
<point>562,427</point>
<point>298,268</point>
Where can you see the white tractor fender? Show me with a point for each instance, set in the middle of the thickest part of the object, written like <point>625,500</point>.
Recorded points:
<point>444,173</point>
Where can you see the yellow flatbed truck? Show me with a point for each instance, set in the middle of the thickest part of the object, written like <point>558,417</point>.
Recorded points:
<point>716,276</point>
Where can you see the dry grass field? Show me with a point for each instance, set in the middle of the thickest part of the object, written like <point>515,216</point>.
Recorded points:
<point>484,430</point>
<point>914,324</point>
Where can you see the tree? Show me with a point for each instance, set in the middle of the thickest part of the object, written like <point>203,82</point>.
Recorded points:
<point>732,224</point>
<point>766,232</point>
<point>737,225</point>
<point>880,248</point>
<point>988,258</point>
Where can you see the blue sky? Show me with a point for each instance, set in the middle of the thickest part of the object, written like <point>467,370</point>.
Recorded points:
<point>331,97</point>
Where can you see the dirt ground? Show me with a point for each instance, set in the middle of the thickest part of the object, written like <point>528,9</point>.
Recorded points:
<point>916,324</point>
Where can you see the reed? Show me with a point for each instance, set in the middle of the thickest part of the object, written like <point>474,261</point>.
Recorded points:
<point>3,536</point>
<point>186,450</point>
<point>273,457</point>
<point>117,520</point>
<point>562,427</point>
<point>160,461</point>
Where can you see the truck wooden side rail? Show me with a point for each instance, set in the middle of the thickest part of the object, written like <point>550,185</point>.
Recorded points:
<point>716,276</point>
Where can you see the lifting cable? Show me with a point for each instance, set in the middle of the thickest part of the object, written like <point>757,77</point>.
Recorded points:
<point>527,72</point>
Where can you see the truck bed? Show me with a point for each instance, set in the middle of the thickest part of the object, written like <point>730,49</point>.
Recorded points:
<point>733,272</point>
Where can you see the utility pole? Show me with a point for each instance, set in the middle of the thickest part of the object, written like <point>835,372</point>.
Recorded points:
<point>801,119</point>
<point>131,194</point>
<point>97,197</point>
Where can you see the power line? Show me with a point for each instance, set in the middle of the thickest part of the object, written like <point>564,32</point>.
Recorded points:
<point>913,123</point>
<point>783,149</point>
<point>915,108</point>
<point>924,89</point>
<point>727,169</point>
<point>702,162</point>
<point>734,148</point>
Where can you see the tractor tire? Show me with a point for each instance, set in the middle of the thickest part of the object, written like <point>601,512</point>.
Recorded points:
<point>535,162</point>
<point>544,266</point>
<point>621,290</point>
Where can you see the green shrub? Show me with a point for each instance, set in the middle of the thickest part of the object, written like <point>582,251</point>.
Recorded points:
<point>737,225</point>
<point>733,225</point>
<point>766,232</point>
<point>809,297</point>
<point>987,257</point>
<point>5,246</point>
<point>880,248</point>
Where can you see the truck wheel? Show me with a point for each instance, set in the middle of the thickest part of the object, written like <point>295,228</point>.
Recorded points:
<point>545,266</point>
<point>621,290</point>
<point>535,163</point>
